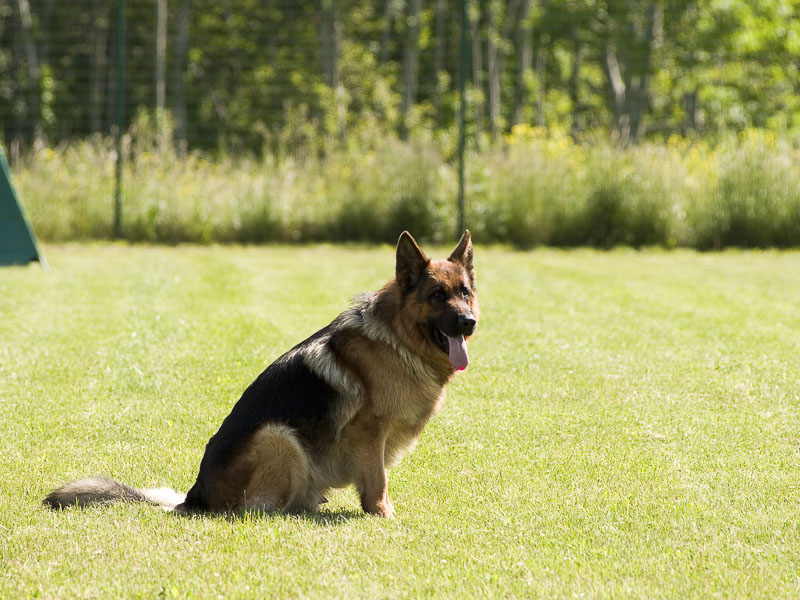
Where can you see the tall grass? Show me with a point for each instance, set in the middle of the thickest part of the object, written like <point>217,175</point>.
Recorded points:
<point>533,189</point>
<point>756,199</point>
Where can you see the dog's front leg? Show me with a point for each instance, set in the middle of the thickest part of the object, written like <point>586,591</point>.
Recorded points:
<point>372,481</point>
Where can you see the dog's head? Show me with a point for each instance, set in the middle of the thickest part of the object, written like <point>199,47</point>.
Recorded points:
<point>439,296</point>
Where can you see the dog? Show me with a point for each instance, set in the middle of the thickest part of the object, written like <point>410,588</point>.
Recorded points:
<point>339,408</point>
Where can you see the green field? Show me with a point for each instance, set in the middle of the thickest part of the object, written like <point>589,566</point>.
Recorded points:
<point>628,427</point>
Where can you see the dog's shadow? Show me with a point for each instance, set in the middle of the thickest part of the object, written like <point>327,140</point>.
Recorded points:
<point>326,518</point>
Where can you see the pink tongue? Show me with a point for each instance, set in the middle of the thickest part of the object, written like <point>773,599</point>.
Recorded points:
<point>458,352</point>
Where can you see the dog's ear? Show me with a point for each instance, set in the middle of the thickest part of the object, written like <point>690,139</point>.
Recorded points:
<point>411,261</point>
<point>463,252</point>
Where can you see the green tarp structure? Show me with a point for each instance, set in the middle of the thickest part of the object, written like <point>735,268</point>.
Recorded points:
<point>17,242</point>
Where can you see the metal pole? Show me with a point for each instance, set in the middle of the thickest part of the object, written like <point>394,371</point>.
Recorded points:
<point>462,115</point>
<point>119,115</point>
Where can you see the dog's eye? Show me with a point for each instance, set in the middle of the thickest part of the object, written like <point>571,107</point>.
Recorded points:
<point>438,295</point>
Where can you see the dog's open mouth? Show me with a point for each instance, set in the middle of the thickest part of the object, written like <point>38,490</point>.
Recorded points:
<point>454,347</point>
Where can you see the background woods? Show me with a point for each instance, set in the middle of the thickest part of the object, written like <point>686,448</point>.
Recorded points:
<point>232,74</point>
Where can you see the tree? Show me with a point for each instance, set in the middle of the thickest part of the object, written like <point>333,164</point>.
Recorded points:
<point>100,27</point>
<point>32,61</point>
<point>411,59</point>
<point>179,66</point>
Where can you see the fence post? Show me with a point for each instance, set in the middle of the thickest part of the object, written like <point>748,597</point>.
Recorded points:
<point>462,114</point>
<point>119,115</point>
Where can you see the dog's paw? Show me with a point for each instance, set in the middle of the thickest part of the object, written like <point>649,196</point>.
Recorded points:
<point>382,509</point>
<point>389,512</point>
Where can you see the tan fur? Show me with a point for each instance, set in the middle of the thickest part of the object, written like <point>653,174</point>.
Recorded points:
<point>280,472</point>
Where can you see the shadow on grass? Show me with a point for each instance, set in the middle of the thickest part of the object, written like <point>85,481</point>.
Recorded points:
<point>323,517</point>
<point>338,516</point>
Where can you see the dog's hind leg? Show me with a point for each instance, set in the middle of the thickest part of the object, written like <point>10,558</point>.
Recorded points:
<point>280,477</point>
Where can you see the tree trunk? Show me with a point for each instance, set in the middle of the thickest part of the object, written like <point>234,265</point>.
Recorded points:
<point>162,133</point>
<point>386,35</point>
<point>330,34</point>
<point>47,22</point>
<point>181,43</point>
<point>492,68</point>
<point>329,51</point>
<point>651,37</point>
<point>541,63</point>
<point>33,66</point>
<point>161,54</point>
<point>97,77</point>
<point>411,61</point>
<point>477,68</point>
<point>327,44</point>
<point>691,108</point>
<point>439,58</point>
<point>573,86</point>
<point>341,107</point>
<point>524,75</point>
<point>618,93</point>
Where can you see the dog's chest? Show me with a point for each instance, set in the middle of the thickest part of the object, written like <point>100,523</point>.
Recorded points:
<point>406,401</point>
<point>405,431</point>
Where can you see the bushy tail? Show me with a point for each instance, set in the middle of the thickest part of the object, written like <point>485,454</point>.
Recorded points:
<point>97,490</point>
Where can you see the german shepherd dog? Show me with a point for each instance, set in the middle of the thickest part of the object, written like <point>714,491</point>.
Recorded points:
<point>337,409</point>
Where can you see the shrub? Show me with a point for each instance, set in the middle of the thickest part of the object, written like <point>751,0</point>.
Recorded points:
<point>635,199</point>
<point>373,196</point>
<point>530,193</point>
<point>535,188</point>
<point>757,200</point>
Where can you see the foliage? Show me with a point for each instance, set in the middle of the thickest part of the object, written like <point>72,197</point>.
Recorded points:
<point>236,72</point>
<point>534,189</point>
<point>756,202</point>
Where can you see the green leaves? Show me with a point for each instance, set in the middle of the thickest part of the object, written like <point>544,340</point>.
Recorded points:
<point>234,70</point>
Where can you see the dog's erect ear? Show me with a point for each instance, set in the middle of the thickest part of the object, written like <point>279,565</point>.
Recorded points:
<point>411,261</point>
<point>463,252</point>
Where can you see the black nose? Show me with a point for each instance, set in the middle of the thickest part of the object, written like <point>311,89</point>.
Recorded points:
<point>466,323</point>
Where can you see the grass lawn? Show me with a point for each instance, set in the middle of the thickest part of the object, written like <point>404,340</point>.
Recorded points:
<point>628,427</point>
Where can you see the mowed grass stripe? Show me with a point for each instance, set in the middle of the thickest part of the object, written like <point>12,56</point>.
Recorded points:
<point>628,427</point>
